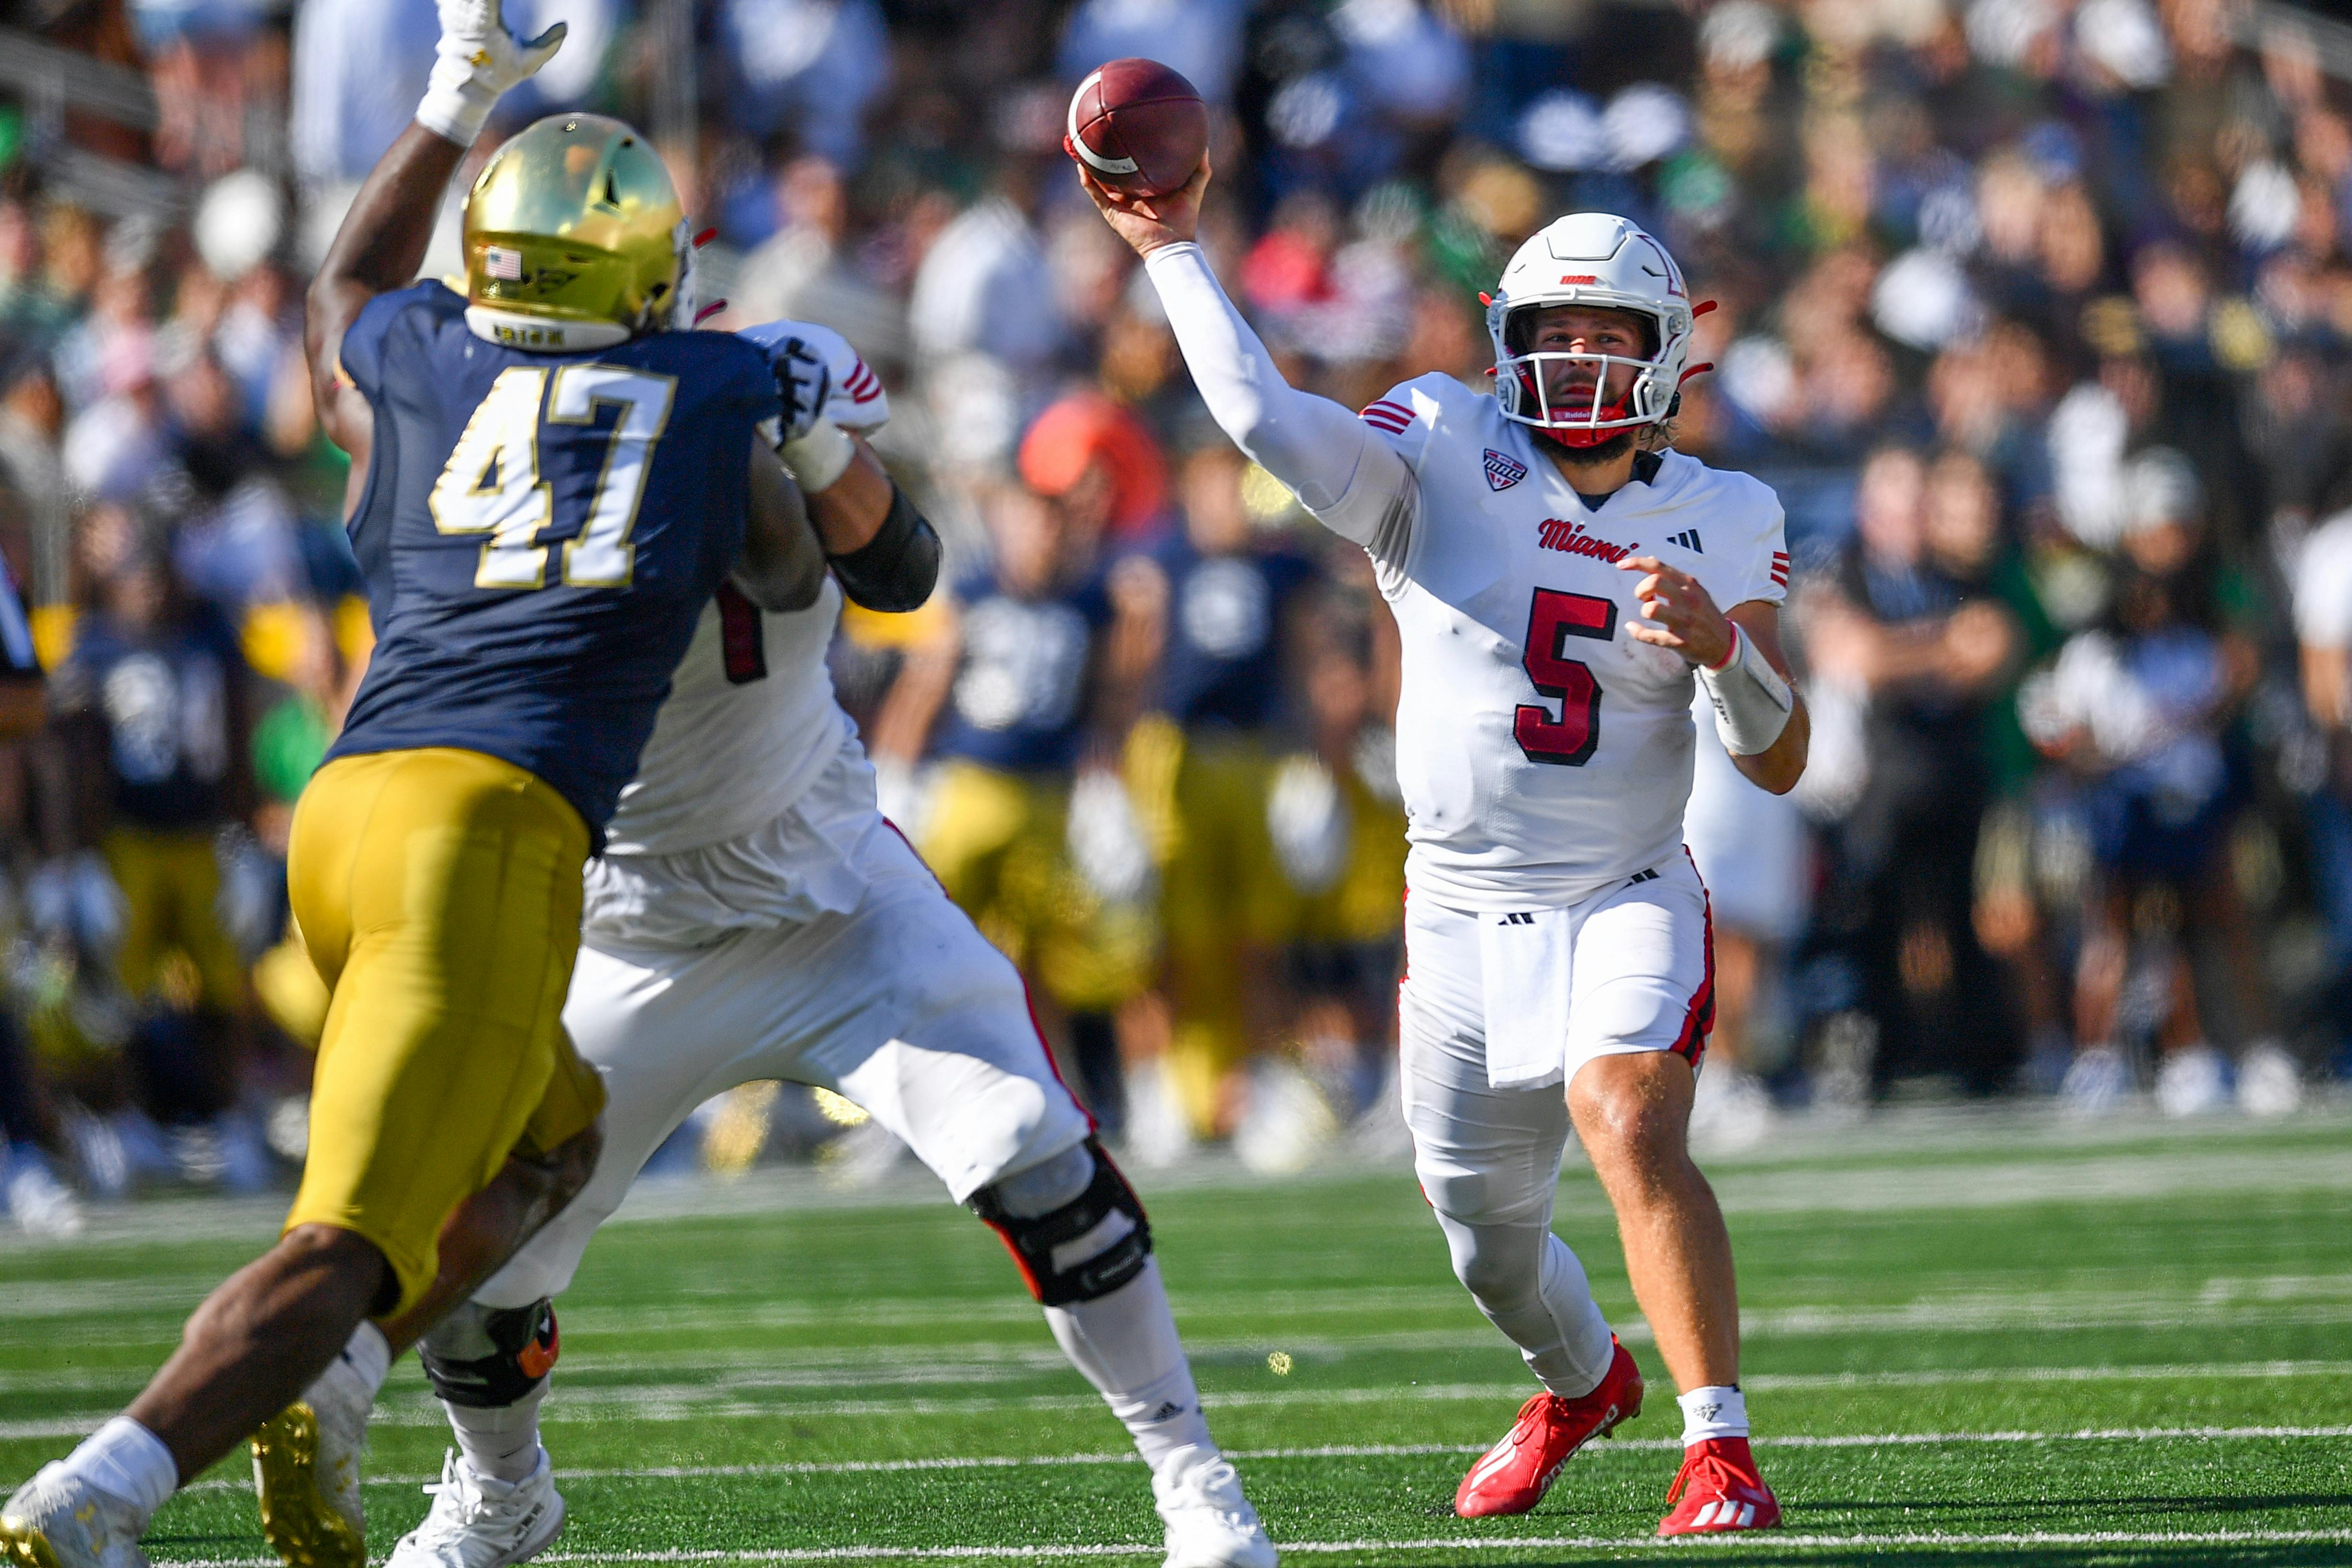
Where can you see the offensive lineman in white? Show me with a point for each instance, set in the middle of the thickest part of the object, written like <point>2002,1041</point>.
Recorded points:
<point>1556,574</point>
<point>754,916</point>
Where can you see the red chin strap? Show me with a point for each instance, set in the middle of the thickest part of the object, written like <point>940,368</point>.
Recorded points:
<point>1575,438</point>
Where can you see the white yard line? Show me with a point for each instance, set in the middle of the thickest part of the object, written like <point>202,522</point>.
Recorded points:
<point>1935,1377</point>
<point>740,1373</point>
<point>405,1406</point>
<point>1751,1540</point>
<point>78,1302</point>
<point>2003,1312</point>
<point>683,1401</point>
<point>1383,1450</point>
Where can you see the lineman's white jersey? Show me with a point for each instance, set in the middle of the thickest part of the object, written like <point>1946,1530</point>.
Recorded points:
<point>1544,753</point>
<point>750,722</point>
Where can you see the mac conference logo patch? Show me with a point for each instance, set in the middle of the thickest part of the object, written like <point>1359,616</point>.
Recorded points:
<point>1502,471</point>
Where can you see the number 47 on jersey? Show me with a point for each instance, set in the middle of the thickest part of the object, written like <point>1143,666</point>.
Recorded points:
<point>491,484</point>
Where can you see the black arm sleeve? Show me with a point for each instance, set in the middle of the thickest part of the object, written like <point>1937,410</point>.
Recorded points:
<point>895,571</point>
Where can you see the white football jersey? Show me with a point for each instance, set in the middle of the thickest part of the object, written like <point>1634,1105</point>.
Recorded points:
<point>1543,752</point>
<point>750,721</point>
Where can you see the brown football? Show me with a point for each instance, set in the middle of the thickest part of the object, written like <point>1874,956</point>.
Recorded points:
<point>1138,127</point>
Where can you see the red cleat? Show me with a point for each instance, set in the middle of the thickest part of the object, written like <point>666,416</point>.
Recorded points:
<point>1720,1490</point>
<point>1513,1476</point>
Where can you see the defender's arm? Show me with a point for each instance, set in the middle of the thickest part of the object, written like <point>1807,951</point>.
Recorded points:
<point>384,237</point>
<point>782,568</point>
<point>378,249</point>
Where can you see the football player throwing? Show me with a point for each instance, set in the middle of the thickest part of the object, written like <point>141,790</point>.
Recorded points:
<point>1560,577</point>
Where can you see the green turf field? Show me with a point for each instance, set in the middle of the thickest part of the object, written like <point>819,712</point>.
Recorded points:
<point>1968,1342</point>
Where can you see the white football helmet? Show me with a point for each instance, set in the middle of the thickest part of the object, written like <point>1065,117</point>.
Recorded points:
<point>1596,259</point>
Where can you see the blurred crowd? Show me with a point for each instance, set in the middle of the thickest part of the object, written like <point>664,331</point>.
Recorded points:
<point>2036,313</point>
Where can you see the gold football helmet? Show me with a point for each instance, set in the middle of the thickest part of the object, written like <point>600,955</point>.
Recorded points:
<point>573,226</point>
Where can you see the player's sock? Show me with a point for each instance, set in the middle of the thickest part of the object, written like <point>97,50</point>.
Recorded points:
<point>1530,1286</point>
<point>1126,1345</point>
<point>368,1353</point>
<point>125,1460</point>
<point>1713,1413</point>
<point>501,1441</point>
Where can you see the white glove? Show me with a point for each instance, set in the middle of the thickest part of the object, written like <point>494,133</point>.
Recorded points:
<point>804,381</point>
<point>478,60</point>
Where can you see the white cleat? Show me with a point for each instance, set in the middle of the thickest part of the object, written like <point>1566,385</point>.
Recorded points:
<point>480,1523</point>
<point>56,1520</point>
<point>31,1194</point>
<point>306,1471</point>
<point>1209,1523</point>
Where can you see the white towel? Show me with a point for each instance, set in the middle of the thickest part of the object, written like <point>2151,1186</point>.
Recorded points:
<point>1524,961</point>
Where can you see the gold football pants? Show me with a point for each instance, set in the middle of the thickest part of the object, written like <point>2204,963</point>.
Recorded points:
<point>438,893</point>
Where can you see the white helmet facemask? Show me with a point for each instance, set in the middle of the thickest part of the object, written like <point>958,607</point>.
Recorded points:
<point>1601,262</point>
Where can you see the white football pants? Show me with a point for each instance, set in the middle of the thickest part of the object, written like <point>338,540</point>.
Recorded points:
<point>898,1005</point>
<point>1489,1159</point>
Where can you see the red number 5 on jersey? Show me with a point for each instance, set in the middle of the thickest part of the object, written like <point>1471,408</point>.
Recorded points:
<point>1553,618</point>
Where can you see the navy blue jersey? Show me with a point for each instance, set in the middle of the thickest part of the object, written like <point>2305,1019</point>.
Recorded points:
<point>1019,702</point>
<point>164,694</point>
<point>1225,624</point>
<point>539,533</point>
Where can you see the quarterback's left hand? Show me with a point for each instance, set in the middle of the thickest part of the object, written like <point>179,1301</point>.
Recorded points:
<point>477,60</point>
<point>1685,616</point>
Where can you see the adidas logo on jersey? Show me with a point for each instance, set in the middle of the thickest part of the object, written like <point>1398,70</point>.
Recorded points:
<point>1569,538</point>
<point>1688,539</point>
<point>1503,472</point>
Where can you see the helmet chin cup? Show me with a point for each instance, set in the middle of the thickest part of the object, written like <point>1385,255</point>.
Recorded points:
<point>1577,440</point>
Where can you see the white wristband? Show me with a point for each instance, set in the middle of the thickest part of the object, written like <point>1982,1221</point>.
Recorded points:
<point>821,458</point>
<point>1752,703</point>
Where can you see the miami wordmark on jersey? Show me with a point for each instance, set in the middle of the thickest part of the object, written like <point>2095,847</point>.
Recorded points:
<point>1544,752</point>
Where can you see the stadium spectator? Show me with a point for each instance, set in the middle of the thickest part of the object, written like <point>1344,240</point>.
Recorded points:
<point>810,67</point>
<point>153,700</point>
<point>2323,619</point>
<point>1337,818</point>
<point>1913,624</point>
<point>1228,901</point>
<point>803,270</point>
<point>1200,39</point>
<point>1101,464</point>
<point>359,67</point>
<point>2140,708</point>
<point>1024,695</point>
